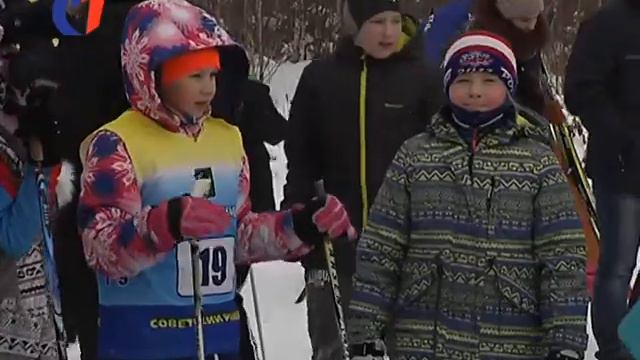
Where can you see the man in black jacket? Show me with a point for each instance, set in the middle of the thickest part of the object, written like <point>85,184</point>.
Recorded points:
<point>601,87</point>
<point>350,114</point>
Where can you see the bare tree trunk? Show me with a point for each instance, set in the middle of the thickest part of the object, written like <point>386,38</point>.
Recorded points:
<point>217,9</point>
<point>260,24</point>
<point>297,30</point>
<point>245,21</point>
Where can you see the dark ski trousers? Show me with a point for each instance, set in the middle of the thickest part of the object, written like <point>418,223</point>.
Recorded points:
<point>322,322</point>
<point>619,220</point>
<point>246,341</point>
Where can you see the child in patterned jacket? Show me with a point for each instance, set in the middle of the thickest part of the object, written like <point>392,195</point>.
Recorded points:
<point>473,247</point>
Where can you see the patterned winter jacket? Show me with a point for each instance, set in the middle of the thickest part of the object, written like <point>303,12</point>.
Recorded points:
<point>472,255</point>
<point>27,329</point>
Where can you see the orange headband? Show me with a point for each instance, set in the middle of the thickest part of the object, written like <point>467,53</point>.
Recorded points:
<point>188,63</point>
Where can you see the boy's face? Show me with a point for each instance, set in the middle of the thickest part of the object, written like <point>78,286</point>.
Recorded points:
<point>191,94</point>
<point>478,91</point>
<point>379,36</point>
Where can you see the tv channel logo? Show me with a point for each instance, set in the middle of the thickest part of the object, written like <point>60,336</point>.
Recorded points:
<point>95,8</point>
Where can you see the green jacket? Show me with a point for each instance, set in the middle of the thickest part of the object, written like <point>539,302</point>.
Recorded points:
<point>472,256</point>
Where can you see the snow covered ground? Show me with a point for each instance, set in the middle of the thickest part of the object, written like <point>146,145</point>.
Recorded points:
<point>278,284</point>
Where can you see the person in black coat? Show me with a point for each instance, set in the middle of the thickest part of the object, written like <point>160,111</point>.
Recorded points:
<point>260,123</point>
<point>246,103</point>
<point>601,87</point>
<point>377,85</point>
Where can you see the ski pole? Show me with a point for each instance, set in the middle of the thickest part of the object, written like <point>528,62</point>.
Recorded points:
<point>35,148</point>
<point>200,188</point>
<point>254,294</point>
<point>333,277</point>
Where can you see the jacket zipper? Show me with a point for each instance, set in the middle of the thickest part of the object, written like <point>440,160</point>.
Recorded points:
<point>362,130</point>
<point>473,146</point>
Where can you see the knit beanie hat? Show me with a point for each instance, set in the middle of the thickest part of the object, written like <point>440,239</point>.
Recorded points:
<point>481,51</point>
<point>188,63</point>
<point>363,10</point>
<point>512,9</point>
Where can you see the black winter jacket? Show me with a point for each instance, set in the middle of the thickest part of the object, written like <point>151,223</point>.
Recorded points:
<point>601,87</point>
<point>399,97</point>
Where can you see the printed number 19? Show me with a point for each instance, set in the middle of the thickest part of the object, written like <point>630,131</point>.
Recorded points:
<point>214,266</point>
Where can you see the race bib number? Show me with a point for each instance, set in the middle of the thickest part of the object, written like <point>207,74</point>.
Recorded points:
<point>216,263</point>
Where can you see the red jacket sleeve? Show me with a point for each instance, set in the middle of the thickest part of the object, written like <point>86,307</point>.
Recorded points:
<point>112,221</point>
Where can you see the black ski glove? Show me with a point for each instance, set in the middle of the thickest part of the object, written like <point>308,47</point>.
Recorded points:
<point>564,355</point>
<point>303,224</point>
<point>35,120</point>
<point>322,217</point>
<point>369,350</point>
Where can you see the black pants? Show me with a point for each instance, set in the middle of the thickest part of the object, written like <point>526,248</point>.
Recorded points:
<point>246,342</point>
<point>618,215</point>
<point>322,321</point>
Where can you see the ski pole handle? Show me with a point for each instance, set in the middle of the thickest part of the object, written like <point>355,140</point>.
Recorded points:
<point>321,193</point>
<point>35,150</point>
<point>200,187</point>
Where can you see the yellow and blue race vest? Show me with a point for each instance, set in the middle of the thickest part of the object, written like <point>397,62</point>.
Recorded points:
<point>151,315</point>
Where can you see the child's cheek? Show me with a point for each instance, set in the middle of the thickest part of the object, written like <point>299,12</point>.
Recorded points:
<point>496,97</point>
<point>456,95</point>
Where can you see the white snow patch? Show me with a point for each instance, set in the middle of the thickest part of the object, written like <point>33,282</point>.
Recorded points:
<point>283,85</point>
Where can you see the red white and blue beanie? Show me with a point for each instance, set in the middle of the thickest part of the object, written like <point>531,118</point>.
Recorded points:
<point>481,51</point>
